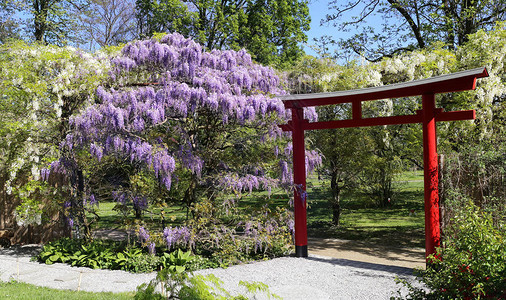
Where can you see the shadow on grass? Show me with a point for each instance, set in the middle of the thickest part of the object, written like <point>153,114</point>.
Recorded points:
<point>403,237</point>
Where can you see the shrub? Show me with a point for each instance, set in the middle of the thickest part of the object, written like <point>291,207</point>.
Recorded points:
<point>98,254</point>
<point>176,283</point>
<point>470,263</point>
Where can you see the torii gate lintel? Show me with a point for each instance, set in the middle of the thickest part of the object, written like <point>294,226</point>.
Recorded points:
<point>427,116</point>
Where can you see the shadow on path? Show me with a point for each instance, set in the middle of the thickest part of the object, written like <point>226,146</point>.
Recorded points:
<point>21,251</point>
<point>363,265</point>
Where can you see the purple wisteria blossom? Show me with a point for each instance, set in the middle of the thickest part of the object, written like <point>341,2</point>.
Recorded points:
<point>313,160</point>
<point>44,174</point>
<point>291,226</point>
<point>177,236</point>
<point>152,248</point>
<point>185,80</point>
<point>144,236</point>
<point>140,203</point>
<point>91,201</point>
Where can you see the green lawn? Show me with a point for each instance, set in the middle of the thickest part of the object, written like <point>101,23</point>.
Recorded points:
<point>23,291</point>
<point>401,224</point>
<point>113,219</point>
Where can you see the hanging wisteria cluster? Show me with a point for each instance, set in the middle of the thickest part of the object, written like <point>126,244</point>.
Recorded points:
<point>178,236</point>
<point>139,202</point>
<point>145,240</point>
<point>165,91</point>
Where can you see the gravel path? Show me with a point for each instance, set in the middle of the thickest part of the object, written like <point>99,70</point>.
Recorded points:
<point>317,277</point>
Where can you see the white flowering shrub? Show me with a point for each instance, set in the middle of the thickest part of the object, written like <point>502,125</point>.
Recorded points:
<point>40,87</point>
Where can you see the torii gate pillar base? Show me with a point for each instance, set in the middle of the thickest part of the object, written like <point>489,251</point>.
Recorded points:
<point>301,251</point>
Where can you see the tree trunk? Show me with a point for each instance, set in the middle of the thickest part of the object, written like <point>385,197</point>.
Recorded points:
<point>190,196</point>
<point>336,205</point>
<point>40,19</point>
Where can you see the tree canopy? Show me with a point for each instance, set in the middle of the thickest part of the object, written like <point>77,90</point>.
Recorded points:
<point>408,25</point>
<point>271,30</point>
<point>184,120</point>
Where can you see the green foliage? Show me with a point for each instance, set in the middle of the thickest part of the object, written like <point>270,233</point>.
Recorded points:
<point>265,234</point>
<point>164,16</point>
<point>41,87</point>
<point>470,264</point>
<point>270,30</point>
<point>98,254</point>
<point>178,284</point>
<point>177,260</point>
<point>47,21</point>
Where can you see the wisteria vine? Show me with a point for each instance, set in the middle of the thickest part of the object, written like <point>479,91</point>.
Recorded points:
<point>174,106</point>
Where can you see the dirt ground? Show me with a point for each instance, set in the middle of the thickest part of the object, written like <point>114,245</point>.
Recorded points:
<point>361,251</point>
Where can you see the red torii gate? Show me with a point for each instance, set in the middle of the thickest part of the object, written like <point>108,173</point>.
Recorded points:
<point>428,116</point>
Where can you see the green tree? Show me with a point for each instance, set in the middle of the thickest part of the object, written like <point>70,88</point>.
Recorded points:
<point>271,30</point>
<point>164,16</point>
<point>47,21</point>
<point>9,23</point>
<point>408,25</point>
<point>346,153</point>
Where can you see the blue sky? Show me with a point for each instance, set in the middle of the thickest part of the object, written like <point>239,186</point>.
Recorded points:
<point>318,9</point>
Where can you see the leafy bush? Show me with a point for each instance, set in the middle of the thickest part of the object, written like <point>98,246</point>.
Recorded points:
<point>176,283</point>
<point>220,241</point>
<point>98,254</point>
<point>470,264</point>
<point>258,234</point>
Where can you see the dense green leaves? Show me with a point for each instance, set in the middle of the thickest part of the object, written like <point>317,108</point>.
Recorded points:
<point>470,263</point>
<point>271,30</point>
<point>109,255</point>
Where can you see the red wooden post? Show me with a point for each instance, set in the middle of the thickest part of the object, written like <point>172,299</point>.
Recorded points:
<point>430,169</point>
<point>299,180</point>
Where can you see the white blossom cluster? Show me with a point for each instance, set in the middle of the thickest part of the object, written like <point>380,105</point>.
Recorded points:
<point>35,80</point>
<point>484,49</point>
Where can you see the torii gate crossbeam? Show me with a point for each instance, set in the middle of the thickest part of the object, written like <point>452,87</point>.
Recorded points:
<point>428,116</point>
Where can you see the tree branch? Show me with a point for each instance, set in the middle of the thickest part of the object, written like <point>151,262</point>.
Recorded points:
<point>414,28</point>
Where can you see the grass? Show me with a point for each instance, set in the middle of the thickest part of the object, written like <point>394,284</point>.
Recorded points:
<point>113,219</point>
<point>401,224</point>
<point>22,291</point>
